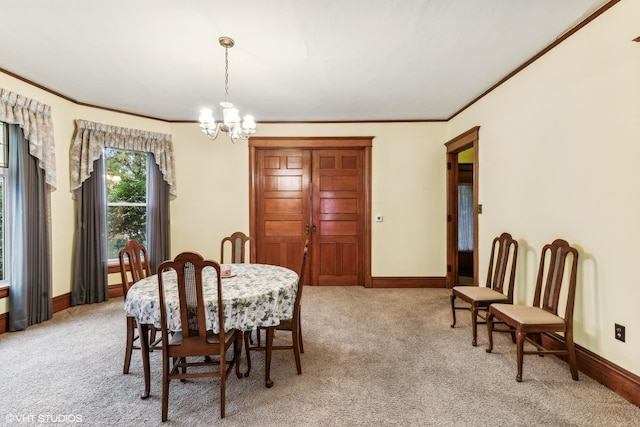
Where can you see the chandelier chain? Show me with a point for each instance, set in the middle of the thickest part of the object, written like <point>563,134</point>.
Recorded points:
<point>226,74</point>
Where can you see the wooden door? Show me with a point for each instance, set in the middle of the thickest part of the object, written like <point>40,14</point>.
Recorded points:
<point>282,206</point>
<point>337,217</point>
<point>317,189</point>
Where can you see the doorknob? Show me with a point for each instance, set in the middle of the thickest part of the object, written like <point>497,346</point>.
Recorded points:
<point>306,228</point>
<point>313,229</point>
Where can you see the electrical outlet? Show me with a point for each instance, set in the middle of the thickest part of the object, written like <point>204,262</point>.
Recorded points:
<point>620,332</point>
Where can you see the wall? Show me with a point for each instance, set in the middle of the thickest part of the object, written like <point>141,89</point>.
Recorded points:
<point>408,188</point>
<point>213,187</point>
<point>558,158</point>
<point>466,156</point>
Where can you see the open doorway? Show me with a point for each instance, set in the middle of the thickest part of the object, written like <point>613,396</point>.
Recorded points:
<point>462,209</point>
<point>466,247</point>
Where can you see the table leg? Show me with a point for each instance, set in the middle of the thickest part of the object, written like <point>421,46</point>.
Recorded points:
<point>144,353</point>
<point>267,359</point>
<point>247,349</point>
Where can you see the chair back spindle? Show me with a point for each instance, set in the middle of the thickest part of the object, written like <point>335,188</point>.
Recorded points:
<point>554,259</point>
<point>133,259</point>
<point>238,242</point>
<point>504,255</point>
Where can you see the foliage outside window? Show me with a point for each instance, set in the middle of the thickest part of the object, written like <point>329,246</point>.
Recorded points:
<point>126,183</point>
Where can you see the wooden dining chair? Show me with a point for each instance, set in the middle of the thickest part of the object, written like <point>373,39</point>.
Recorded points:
<point>194,340</point>
<point>530,322</point>
<point>499,286</point>
<point>134,265</point>
<point>238,243</point>
<point>292,325</point>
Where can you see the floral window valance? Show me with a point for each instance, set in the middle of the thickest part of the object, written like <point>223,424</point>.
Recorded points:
<point>90,138</point>
<point>35,120</point>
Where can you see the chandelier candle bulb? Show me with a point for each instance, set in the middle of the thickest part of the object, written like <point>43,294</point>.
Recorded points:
<point>231,116</point>
<point>206,118</point>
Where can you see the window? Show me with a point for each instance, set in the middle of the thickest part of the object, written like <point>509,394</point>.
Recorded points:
<point>126,182</point>
<point>4,173</point>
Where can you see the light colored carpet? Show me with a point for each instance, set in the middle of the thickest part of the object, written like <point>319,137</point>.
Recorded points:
<point>373,357</point>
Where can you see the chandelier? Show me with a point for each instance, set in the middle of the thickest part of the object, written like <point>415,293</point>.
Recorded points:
<point>230,116</point>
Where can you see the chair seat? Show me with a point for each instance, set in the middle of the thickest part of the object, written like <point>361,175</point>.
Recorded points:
<point>285,324</point>
<point>212,338</point>
<point>528,315</point>
<point>479,294</point>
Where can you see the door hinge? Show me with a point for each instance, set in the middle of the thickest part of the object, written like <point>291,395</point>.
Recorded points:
<point>449,219</point>
<point>448,268</point>
<point>448,165</point>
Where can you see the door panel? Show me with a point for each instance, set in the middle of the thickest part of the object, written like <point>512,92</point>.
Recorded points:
<point>314,193</point>
<point>283,212</point>
<point>338,212</point>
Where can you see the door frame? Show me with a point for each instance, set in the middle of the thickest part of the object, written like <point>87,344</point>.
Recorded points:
<point>462,142</point>
<point>364,143</point>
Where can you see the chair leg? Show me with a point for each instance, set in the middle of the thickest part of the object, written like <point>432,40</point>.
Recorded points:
<point>152,337</point>
<point>573,365</point>
<point>295,335</point>
<point>131,326</point>
<point>490,332</point>
<point>474,325</point>
<point>300,333</point>
<point>453,309</point>
<point>247,350</point>
<point>267,358</point>
<point>223,385</point>
<point>165,389</point>
<point>520,339</point>
<point>237,353</point>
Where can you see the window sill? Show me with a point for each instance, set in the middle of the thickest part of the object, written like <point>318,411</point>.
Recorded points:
<point>113,266</point>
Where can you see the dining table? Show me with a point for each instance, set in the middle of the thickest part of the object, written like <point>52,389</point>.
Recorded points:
<point>254,295</point>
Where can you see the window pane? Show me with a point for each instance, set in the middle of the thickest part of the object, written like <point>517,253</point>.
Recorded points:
<point>126,183</point>
<point>126,176</point>
<point>125,223</point>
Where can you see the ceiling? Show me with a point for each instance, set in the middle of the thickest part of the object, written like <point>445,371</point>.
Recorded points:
<point>294,60</point>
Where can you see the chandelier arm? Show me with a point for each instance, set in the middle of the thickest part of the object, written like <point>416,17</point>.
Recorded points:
<point>212,134</point>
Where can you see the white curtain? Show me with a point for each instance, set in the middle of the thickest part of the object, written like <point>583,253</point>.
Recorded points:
<point>465,217</point>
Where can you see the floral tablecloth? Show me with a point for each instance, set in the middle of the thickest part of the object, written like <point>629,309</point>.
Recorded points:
<point>255,295</point>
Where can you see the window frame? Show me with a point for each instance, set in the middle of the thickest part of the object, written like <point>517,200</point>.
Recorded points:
<point>113,261</point>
